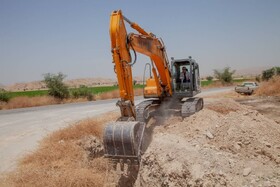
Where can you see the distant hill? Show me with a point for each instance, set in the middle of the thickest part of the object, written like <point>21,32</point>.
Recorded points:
<point>74,83</point>
<point>246,72</point>
<point>250,72</point>
<point>35,85</point>
<point>90,82</point>
<point>2,86</point>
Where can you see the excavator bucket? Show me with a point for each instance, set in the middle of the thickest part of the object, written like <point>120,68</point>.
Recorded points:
<point>122,140</point>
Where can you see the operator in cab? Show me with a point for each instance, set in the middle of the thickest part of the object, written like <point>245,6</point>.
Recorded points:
<point>185,79</point>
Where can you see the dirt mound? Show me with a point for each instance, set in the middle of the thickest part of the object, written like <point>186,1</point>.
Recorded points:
<point>226,144</point>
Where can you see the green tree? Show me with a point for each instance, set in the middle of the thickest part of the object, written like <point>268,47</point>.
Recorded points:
<point>134,82</point>
<point>209,78</point>
<point>56,86</point>
<point>277,70</point>
<point>225,75</point>
<point>269,73</point>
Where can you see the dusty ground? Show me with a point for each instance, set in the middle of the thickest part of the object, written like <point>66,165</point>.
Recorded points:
<point>226,144</point>
<point>268,106</point>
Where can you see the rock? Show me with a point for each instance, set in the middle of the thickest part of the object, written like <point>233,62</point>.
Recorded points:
<point>259,151</point>
<point>170,157</point>
<point>246,171</point>
<point>209,135</point>
<point>239,143</point>
<point>267,183</point>
<point>267,144</point>
<point>236,146</point>
<point>247,142</point>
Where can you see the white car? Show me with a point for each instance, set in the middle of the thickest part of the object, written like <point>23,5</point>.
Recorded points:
<point>246,88</point>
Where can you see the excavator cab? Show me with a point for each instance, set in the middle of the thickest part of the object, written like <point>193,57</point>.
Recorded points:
<point>185,77</point>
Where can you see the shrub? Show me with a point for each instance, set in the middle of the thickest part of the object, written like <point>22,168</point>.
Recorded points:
<point>277,70</point>
<point>134,82</point>
<point>82,91</point>
<point>209,78</point>
<point>4,96</point>
<point>225,75</point>
<point>269,73</point>
<point>56,86</point>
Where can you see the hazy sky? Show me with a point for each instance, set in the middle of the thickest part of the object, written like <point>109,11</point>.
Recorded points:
<point>72,36</point>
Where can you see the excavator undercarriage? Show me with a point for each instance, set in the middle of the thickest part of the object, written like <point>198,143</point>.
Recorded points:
<point>123,139</point>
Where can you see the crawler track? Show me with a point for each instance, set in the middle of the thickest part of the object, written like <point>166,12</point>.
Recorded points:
<point>191,106</point>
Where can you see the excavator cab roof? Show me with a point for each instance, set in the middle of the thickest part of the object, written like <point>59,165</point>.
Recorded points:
<point>182,62</point>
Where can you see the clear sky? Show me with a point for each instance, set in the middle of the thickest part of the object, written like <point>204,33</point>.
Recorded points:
<point>72,36</point>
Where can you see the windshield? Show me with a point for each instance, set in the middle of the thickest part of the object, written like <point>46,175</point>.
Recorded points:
<point>248,84</point>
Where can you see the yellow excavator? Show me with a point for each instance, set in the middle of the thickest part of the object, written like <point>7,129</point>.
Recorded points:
<point>176,85</point>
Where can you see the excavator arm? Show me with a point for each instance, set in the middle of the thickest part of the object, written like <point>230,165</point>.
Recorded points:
<point>144,43</point>
<point>123,139</point>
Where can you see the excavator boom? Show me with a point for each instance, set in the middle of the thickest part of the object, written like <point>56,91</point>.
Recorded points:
<point>145,43</point>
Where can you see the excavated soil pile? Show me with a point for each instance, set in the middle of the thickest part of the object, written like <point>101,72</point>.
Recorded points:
<point>225,144</point>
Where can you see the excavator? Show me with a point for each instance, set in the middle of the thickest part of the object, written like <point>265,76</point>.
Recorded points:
<point>166,88</point>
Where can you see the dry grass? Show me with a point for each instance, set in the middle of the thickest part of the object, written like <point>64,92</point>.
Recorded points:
<point>108,95</point>
<point>270,88</point>
<point>61,161</point>
<point>116,94</point>
<point>75,100</point>
<point>24,101</point>
<point>216,84</point>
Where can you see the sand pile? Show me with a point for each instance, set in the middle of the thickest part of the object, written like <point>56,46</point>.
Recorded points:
<point>226,144</point>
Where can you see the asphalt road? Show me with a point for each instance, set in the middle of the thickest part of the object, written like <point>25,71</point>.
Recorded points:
<point>21,129</point>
